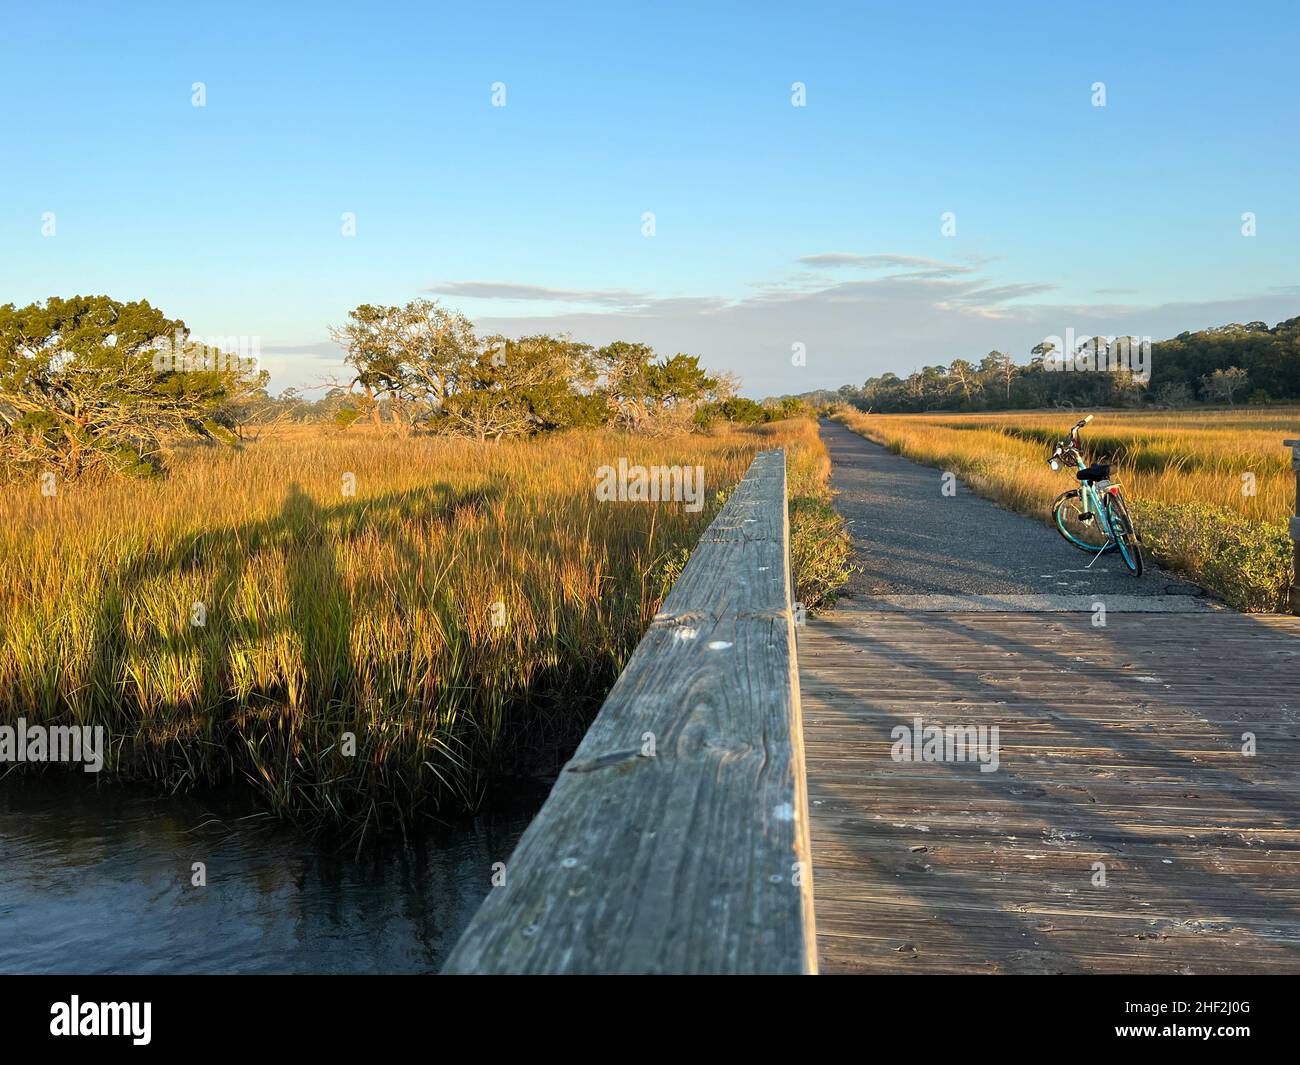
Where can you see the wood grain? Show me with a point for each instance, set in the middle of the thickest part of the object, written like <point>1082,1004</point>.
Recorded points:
<point>1119,744</point>
<point>694,859</point>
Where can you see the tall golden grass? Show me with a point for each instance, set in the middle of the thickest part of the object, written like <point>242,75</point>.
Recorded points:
<point>463,613</point>
<point>1211,490</point>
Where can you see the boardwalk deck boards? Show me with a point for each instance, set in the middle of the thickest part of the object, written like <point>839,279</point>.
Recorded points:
<point>1119,744</point>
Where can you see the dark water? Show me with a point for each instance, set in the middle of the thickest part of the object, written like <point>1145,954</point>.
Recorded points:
<point>98,880</point>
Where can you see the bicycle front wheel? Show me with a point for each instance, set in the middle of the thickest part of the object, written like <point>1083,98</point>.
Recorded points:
<point>1126,538</point>
<point>1084,531</point>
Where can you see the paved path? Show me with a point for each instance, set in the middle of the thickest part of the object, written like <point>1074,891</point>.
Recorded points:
<point>1123,829</point>
<point>913,542</point>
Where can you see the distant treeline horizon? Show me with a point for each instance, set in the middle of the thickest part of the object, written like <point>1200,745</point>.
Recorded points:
<point>1227,364</point>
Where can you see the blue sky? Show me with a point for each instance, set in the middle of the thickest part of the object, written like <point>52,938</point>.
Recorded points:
<point>774,224</point>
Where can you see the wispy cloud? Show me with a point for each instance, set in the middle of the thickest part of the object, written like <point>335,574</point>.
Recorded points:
<point>509,290</point>
<point>991,295</point>
<point>885,261</point>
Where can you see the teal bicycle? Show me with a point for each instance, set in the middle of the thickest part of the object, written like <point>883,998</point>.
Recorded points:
<point>1093,516</point>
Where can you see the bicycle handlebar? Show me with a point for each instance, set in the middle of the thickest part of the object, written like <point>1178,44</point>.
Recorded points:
<point>1074,440</point>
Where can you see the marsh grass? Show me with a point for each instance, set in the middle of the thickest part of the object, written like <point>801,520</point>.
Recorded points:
<point>1182,472</point>
<point>462,615</point>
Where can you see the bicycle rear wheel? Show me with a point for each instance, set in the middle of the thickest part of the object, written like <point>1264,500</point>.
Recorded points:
<point>1125,535</point>
<point>1084,532</point>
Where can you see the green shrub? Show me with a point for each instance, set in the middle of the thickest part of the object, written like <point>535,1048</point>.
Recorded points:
<point>819,551</point>
<point>1246,562</point>
<point>819,539</point>
<point>665,571</point>
<point>736,409</point>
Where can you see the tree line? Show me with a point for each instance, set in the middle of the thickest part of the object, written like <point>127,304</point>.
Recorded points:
<point>1229,364</point>
<point>92,384</point>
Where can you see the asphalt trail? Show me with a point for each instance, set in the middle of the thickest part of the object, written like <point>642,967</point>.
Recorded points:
<point>918,548</point>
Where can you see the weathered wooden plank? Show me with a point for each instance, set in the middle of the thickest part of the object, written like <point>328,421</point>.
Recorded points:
<point>676,839</point>
<point>936,867</point>
<point>1293,526</point>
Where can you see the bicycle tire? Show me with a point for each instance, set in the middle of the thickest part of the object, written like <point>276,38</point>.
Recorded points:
<point>1061,522</point>
<point>1126,538</point>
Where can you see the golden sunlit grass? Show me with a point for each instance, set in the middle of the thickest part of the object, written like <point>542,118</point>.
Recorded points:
<point>464,612</point>
<point>1211,490</point>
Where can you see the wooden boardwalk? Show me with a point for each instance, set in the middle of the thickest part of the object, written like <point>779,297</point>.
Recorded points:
<point>1114,791</point>
<point>676,838</point>
<point>1119,745</point>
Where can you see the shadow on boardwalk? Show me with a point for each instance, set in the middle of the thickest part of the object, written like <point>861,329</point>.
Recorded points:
<point>1120,745</point>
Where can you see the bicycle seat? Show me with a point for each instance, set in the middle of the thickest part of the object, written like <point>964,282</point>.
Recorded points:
<point>1099,471</point>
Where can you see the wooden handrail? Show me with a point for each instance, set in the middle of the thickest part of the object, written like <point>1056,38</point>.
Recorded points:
<point>676,839</point>
<point>1294,597</point>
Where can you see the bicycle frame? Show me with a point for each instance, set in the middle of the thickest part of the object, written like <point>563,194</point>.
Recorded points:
<point>1092,505</point>
<point>1088,494</point>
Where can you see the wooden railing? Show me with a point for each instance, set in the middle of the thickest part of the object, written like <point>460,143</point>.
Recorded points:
<point>1294,597</point>
<point>676,839</point>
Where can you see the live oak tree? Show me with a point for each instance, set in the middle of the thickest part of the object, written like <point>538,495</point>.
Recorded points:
<point>623,367</point>
<point>425,364</point>
<point>520,387</point>
<point>407,354</point>
<point>91,383</point>
<point>678,380</point>
<point>642,392</point>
